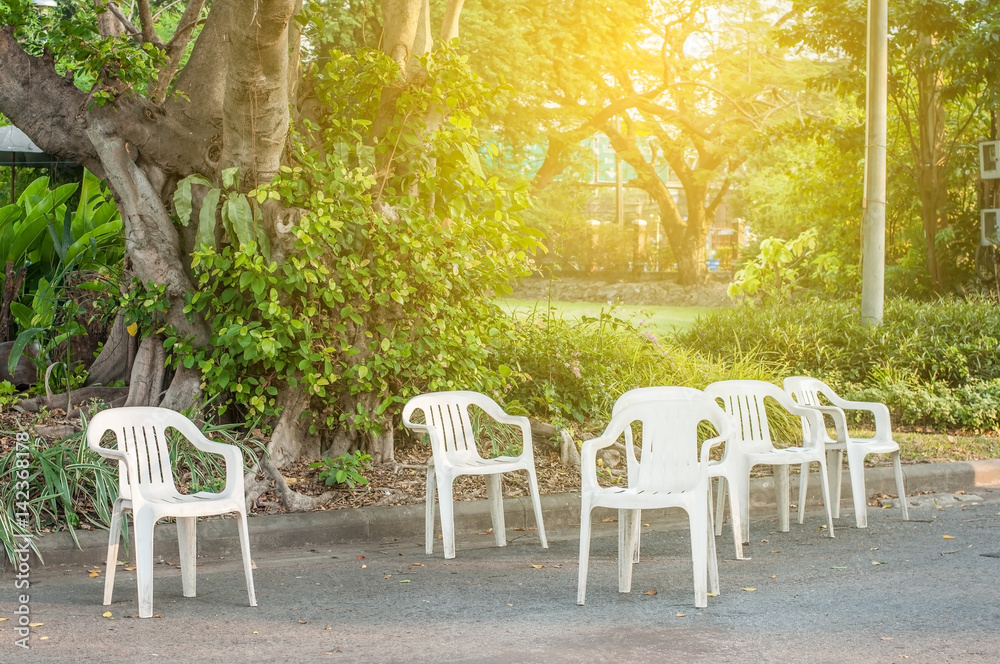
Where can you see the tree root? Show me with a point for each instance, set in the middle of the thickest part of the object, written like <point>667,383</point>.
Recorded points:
<point>293,501</point>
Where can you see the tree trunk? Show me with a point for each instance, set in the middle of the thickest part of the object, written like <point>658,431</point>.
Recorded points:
<point>291,439</point>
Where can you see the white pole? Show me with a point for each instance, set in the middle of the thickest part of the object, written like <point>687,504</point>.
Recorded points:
<point>873,223</point>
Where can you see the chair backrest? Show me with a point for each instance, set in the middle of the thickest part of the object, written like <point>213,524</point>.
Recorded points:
<point>744,401</point>
<point>670,459</point>
<point>806,391</point>
<point>141,435</point>
<point>447,420</point>
<point>639,395</point>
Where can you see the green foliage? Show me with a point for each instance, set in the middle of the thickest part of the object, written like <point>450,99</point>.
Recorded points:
<point>575,370</point>
<point>47,239</point>
<point>348,468</point>
<point>926,360</point>
<point>381,295</point>
<point>103,67</point>
<point>783,267</point>
<point>8,395</point>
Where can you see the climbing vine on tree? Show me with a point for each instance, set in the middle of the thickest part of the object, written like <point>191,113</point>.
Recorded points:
<point>384,289</point>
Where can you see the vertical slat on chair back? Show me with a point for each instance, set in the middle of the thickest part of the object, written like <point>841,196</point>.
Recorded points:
<point>748,412</point>
<point>806,393</point>
<point>147,445</point>
<point>451,419</point>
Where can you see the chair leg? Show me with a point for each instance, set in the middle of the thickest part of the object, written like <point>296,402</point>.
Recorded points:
<point>900,489</point>
<point>859,492</point>
<point>713,556</point>
<point>429,512</point>
<point>494,492</point>
<point>825,486</point>
<point>143,524</point>
<point>244,531</point>
<point>536,503</point>
<point>736,516</point>
<point>581,585</point>
<point>835,468</point>
<point>636,534</point>
<point>781,495</point>
<point>698,524</point>
<point>447,508</point>
<point>803,491</point>
<point>720,505</point>
<point>187,546</point>
<point>113,537</point>
<point>626,548</point>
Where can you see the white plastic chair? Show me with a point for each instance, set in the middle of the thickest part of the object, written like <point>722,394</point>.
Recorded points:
<point>751,445</point>
<point>715,468</point>
<point>448,423</point>
<point>669,473</point>
<point>146,488</point>
<point>806,391</point>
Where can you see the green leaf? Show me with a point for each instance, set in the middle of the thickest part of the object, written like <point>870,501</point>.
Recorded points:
<point>207,219</point>
<point>241,217</point>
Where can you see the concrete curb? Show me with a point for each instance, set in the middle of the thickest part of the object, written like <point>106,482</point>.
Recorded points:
<point>217,537</point>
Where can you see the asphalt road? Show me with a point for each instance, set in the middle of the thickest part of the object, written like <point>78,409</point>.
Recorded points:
<point>918,591</point>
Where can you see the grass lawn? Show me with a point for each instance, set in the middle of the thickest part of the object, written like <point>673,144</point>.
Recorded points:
<point>663,320</point>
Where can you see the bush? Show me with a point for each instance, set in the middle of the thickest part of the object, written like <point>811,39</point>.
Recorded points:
<point>933,363</point>
<point>575,370</point>
<point>949,341</point>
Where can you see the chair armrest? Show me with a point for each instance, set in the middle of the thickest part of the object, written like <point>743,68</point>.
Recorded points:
<point>883,424</point>
<point>233,456</point>
<point>839,420</point>
<point>588,460</point>
<point>706,447</point>
<point>817,427</point>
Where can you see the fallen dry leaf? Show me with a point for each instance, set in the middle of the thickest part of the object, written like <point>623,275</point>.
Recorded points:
<point>681,615</point>
<point>650,592</point>
<point>538,566</point>
<point>129,569</point>
<point>713,594</point>
<point>35,624</point>
<point>256,632</point>
<point>43,638</point>
<point>364,567</point>
<point>107,614</point>
<point>607,520</point>
<point>749,590</point>
<point>877,562</point>
<point>327,628</point>
<point>387,576</point>
<point>487,532</point>
<point>887,638</point>
<point>94,573</point>
<point>947,537</point>
<point>4,619</point>
<point>303,622</point>
<point>157,615</point>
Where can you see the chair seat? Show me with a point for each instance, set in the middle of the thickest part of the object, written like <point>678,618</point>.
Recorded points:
<point>628,498</point>
<point>870,445</point>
